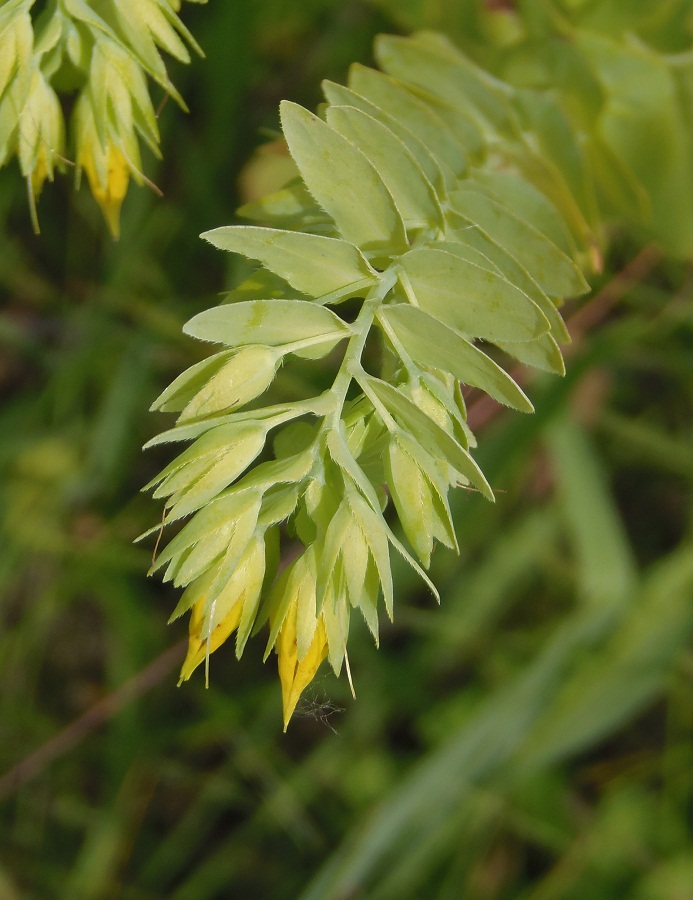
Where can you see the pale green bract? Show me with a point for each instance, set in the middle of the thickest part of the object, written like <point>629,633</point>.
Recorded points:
<point>423,203</point>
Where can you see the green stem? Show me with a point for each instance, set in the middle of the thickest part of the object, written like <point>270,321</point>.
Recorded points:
<point>352,357</point>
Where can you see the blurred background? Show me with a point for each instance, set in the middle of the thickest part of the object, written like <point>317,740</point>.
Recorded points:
<point>531,738</point>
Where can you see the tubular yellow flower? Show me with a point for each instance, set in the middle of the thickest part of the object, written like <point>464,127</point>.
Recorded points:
<point>197,640</point>
<point>108,193</point>
<point>211,624</point>
<point>296,674</point>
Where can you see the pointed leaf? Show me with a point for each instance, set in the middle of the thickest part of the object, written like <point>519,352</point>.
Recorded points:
<point>404,178</point>
<point>312,264</point>
<point>430,343</point>
<point>393,97</point>
<point>455,80</point>
<point>556,273</point>
<point>473,300</point>
<point>343,182</point>
<point>543,353</point>
<point>270,322</point>
<point>338,95</point>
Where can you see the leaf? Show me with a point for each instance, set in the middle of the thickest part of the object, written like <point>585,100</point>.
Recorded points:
<point>473,300</point>
<point>312,264</point>
<point>229,541</point>
<point>338,95</point>
<point>215,516</point>
<point>431,436</point>
<point>274,323</point>
<point>339,451</point>
<point>343,182</point>
<point>499,260</point>
<point>213,443</point>
<point>527,202</point>
<point>542,353</point>
<point>246,447</point>
<point>443,528</point>
<point>556,273</point>
<point>453,79</point>
<point>404,178</point>
<point>393,97</point>
<point>431,343</point>
<point>291,207</point>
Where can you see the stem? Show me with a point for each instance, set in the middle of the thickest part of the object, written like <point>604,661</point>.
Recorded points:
<point>352,356</point>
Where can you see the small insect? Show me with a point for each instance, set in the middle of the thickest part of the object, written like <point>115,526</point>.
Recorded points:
<point>319,707</point>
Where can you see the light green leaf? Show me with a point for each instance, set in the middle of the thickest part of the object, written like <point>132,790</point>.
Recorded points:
<point>498,259</point>
<point>527,202</point>
<point>270,322</point>
<point>430,343</point>
<point>216,517</point>
<point>263,285</point>
<point>335,615</point>
<point>404,178</point>
<point>281,471</point>
<point>214,442</point>
<point>542,353</point>
<point>253,576</point>
<point>473,300</point>
<point>229,541</point>
<point>453,79</point>
<point>556,273</point>
<point>340,453</point>
<point>247,446</point>
<point>312,264</point>
<point>393,97</point>
<point>442,524</point>
<point>329,549</point>
<point>338,95</point>
<point>459,245</point>
<point>290,207</point>
<point>343,182</point>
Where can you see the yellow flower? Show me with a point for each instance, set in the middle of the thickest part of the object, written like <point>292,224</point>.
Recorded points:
<point>101,157</point>
<point>212,623</point>
<point>198,647</point>
<point>110,192</point>
<point>296,674</point>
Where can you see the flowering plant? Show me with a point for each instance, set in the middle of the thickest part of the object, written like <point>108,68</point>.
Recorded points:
<point>102,53</point>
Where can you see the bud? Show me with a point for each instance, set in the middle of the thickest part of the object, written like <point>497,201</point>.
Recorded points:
<point>244,377</point>
<point>41,132</point>
<point>211,623</point>
<point>105,166</point>
<point>296,674</point>
<point>411,494</point>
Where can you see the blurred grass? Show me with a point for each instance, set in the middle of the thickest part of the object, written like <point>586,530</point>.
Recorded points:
<point>531,738</point>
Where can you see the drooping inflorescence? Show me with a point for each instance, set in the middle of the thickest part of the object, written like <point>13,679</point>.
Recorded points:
<point>101,55</point>
<point>424,200</point>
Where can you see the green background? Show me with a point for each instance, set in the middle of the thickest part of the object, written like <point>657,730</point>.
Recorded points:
<point>532,738</point>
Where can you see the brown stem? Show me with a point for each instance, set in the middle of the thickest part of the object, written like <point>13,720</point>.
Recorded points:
<point>93,718</point>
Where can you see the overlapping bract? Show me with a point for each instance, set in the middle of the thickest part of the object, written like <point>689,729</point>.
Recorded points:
<point>420,193</point>
<point>103,52</point>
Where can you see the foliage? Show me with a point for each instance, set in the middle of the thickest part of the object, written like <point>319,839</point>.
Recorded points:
<point>447,212</point>
<point>531,737</point>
